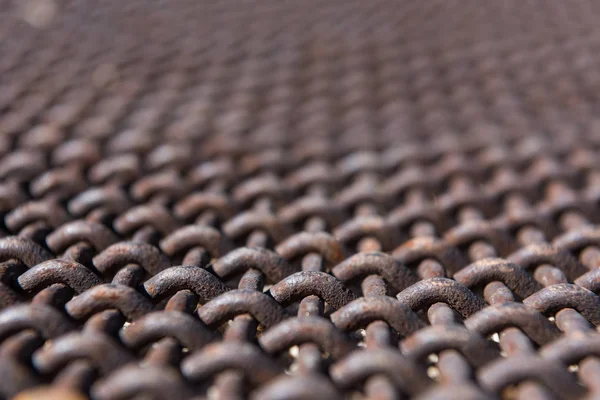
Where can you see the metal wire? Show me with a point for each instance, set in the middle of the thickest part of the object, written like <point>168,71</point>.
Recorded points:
<point>299,200</point>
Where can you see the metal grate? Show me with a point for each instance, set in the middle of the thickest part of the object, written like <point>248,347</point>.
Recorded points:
<point>299,199</point>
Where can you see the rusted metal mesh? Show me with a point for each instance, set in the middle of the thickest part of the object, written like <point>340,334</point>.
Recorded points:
<point>300,199</point>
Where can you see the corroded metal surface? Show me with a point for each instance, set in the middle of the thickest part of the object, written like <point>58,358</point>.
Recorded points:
<point>299,199</point>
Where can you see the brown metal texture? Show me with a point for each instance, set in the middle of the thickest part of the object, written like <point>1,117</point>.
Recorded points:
<point>299,199</point>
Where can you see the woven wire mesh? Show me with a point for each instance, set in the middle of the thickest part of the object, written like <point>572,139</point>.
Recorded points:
<point>299,199</point>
